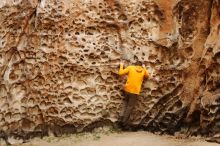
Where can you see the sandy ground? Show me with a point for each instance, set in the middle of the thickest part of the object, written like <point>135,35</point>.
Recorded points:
<point>140,138</point>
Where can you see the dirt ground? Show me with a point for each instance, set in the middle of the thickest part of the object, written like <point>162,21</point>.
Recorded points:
<point>140,138</point>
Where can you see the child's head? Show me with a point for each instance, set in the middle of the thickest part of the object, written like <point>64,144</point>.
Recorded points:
<point>138,63</point>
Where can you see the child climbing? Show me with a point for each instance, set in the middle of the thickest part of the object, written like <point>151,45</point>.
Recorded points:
<point>132,88</point>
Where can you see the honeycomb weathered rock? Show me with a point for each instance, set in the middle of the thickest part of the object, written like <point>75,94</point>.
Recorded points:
<point>57,59</point>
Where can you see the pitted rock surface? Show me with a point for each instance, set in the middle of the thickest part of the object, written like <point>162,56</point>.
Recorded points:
<point>58,60</point>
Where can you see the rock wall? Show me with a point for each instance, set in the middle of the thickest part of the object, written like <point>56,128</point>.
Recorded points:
<point>58,60</point>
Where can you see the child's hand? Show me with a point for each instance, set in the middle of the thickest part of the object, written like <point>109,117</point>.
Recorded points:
<point>122,62</point>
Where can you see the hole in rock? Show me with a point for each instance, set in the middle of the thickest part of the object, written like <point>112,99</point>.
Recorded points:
<point>122,17</point>
<point>210,49</point>
<point>86,50</point>
<point>189,51</point>
<point>140,20</point>
<point>196,117</point>
<point>52,110</point>
<point>13,76</point>
<point>67,100</point>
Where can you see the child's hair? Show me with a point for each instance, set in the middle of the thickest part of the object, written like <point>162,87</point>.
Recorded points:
<point>138,63</point>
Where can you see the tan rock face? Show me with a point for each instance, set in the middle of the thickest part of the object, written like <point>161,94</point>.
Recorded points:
<point>58,58</point>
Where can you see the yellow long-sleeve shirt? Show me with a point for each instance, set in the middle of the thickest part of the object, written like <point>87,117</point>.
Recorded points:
<point>135,78</point>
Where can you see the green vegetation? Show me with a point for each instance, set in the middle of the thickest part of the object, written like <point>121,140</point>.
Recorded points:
<point>115,129</point>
